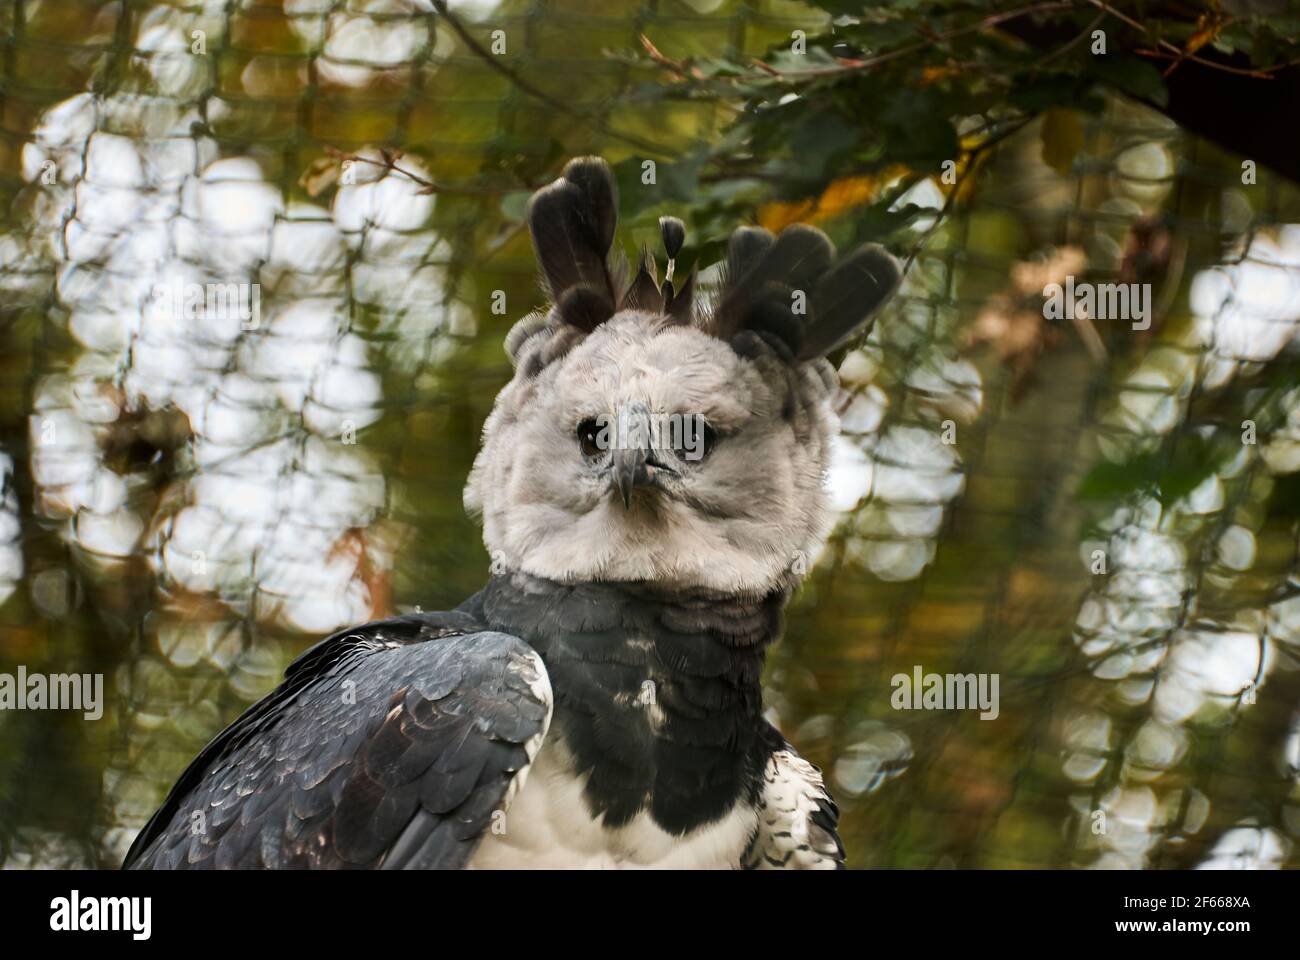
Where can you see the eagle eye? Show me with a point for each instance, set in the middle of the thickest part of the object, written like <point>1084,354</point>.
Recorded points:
<point>696,440</point>
<point>710,437</point>
<point>588,438</point>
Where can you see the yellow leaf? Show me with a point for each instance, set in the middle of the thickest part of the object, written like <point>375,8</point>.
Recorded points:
<point>839,197</point>
<point>846,194</point>
<point>777,216</point>
<point>1062,134</point>
<point>932,75</point>
<point>1207,29</point>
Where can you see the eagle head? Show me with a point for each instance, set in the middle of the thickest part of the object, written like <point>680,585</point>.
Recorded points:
<point>648,438</point>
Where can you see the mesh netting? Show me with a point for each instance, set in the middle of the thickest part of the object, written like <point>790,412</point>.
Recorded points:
<point>1102,517</point>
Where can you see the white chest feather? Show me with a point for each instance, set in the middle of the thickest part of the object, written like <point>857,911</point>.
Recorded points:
<point>547,826</point>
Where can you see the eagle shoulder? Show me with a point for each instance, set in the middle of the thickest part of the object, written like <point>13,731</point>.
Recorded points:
<point>390,745</point>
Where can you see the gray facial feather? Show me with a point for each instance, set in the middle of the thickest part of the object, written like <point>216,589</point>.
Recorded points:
<point>737,518</point>
<point>735,521</point>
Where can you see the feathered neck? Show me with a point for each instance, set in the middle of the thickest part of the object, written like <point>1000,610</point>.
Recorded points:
<point>658,699</point>
<point>543,608</point>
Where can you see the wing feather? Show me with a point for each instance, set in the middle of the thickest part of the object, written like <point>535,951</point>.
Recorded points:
<point>387,746</point>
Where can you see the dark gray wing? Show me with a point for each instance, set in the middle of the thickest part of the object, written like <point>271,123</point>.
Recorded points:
<point>387,746</point>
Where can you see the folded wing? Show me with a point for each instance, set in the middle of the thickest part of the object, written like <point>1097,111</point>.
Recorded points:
<point>391,745</point>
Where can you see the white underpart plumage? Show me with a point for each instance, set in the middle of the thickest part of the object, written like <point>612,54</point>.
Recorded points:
<point>540,685</point>
<point>788,838</point>
<point>548,826</point>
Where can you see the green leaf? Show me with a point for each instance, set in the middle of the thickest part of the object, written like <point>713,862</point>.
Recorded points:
<point>1132,76</point>
<point>1062,134</point>
<point>880,220</point>
<point>1115,481</point>
<point>515,204</point>
<point>1033,94</point>
<point>674,181</point>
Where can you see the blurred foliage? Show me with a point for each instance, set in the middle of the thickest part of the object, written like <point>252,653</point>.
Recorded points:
<point>367,163</point>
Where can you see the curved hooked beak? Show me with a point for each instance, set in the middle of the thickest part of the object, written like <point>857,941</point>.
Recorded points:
<point>635,462</point>
<point>628,469</point>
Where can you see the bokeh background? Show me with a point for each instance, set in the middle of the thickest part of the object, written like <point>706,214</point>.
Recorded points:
<point>186,505</point>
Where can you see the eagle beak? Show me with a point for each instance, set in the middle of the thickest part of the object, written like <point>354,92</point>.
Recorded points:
<point>628,470</point>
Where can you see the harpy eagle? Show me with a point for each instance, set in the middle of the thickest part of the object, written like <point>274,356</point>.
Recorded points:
<point>598,702</point>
